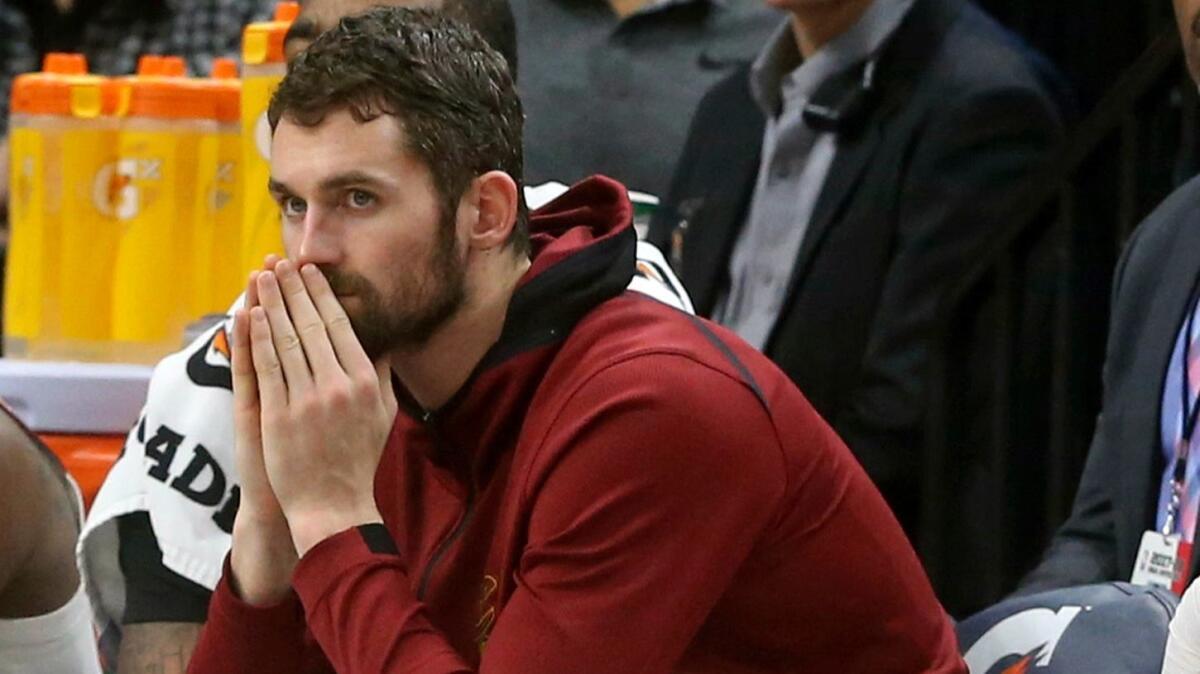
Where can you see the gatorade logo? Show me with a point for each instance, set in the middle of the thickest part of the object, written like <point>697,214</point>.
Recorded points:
<point>221,192</point>
<point>115,191</point>
<point>262,136</point>
<point>1021,642</point>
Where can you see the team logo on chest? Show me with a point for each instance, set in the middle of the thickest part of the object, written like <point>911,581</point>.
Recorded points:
<point>487,610</point>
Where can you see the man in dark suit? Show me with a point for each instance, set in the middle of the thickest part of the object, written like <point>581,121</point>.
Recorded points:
<point>830,194</point>
<point>1130,476</point>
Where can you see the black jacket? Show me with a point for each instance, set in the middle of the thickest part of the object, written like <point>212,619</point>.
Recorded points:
<point>1118,495</point>
<point>959,115</point>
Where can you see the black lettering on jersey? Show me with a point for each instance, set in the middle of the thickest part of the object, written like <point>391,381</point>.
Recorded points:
<point>161,449</point>
<point>204,373</point>
<point>186,483</point>
<point>224,516</point>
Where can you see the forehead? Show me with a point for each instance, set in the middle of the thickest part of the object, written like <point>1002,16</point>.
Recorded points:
<point>303,156</point>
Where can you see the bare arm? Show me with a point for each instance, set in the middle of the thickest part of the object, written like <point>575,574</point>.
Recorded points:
<point>14,528</point>
<point>38,526</point>
<point>157,648</point>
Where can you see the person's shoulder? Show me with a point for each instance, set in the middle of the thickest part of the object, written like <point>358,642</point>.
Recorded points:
<point>730,92</point>
<point>659,378</point>
<point>662,347</point>
<point>737,29</point>
<point>1181,209</point>
<point>24,462</point>
<point>1177,216</point>
<point>671,358</point>
<point>978,54</point>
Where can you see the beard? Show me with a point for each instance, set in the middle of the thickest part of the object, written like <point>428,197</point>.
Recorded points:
<point>425,294</point>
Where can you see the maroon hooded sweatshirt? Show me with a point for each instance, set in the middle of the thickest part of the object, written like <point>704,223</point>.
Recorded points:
<point>618,488</point>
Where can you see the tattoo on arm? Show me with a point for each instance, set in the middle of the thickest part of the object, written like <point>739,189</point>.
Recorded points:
<point>157,648</point>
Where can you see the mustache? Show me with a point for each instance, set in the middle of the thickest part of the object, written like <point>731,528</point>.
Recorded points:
<point>345,283</point>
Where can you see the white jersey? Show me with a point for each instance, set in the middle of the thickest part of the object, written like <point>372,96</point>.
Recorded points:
<point>178,465</point>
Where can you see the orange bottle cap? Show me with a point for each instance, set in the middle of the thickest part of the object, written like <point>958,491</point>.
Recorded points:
<point>287,11</point>
<point>168,98</point>
<point>224,69</point>
<point>263,42</point>
<point>65,64</point>
<point>150,64</point>
<point>174,66</point>
<point>228,102</point>
<point>110,91</point>
<point>63,88</point>
<point>226,90</point>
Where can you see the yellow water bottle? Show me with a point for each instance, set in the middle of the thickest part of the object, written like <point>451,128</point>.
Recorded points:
<point>164,145</point>
<point>221,275</point>
<point>62,141</point>
<point>265,66</point>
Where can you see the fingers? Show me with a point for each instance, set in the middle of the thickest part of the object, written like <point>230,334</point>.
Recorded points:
<point>245,385</point>
<point>345,343</point>
<point>283,333</point>
<point>252,292</point>
<point>308,324</point>
<point>269,263</point>
<point>268,372</point>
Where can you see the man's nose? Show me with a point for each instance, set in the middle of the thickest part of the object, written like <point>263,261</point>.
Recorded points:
<point>318,243</point>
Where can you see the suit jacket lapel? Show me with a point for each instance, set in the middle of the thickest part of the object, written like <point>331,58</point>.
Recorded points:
<point>716,219</point>
<point>847,170</point>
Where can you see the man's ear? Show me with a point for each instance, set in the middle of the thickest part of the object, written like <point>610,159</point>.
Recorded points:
<point>496,198</point>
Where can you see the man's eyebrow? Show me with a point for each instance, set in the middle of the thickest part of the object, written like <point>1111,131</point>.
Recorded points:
<point>343,180</point>
<point>302,28</point>
<point>330,184</point>
<point>276,187</point>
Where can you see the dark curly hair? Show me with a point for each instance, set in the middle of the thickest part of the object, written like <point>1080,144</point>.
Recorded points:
<point>452,94</point>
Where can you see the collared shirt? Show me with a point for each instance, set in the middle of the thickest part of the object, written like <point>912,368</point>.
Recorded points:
<point>614,96</point>
<point>795,161</point>
<point>1171,430</point>
<point>112,34</point>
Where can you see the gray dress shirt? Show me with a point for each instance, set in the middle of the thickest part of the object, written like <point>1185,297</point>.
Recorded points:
<point>794,163</point>
<point>615,96</point>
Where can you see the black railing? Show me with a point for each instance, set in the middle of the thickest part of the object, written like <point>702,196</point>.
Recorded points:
<point>1015,382</point>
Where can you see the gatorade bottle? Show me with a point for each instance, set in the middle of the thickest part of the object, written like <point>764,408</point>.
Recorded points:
<point>164,146</point>
<point>62,140</point>
<point>265,66</point>
<point>219,274</point>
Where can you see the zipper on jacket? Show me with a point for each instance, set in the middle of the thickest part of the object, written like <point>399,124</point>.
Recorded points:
<point>459,528</point>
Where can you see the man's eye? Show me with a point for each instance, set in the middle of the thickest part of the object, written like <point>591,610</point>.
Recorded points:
<point>293,206</point>
<point>361,199</point>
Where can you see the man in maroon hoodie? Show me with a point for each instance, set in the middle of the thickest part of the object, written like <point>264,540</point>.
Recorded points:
<point>578,479</point>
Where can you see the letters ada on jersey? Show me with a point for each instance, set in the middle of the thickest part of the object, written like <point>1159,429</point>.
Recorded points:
<point>201,481</point>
